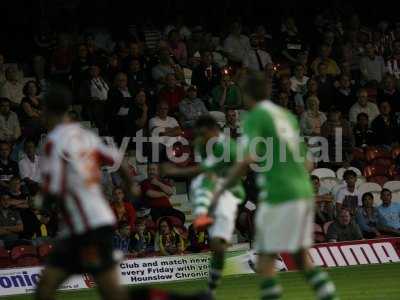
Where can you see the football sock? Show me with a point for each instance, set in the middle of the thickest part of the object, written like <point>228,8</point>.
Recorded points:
<point>271,289</point>
<point>321,284</point>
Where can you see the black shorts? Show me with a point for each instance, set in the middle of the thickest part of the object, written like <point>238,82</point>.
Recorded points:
<point>91,252</point>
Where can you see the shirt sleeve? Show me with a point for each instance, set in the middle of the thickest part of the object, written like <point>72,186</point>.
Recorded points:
<point>23,169</point>
<point>340,197</point>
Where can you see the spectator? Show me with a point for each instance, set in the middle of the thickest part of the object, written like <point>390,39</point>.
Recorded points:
<point>123,210</point>
<point>324,210</point>
<point>312,88</point>
<point>344,96</point>
<point>10,129</point>
<point>207,75</point>
<point>372,66</point>
<point>191,108</point>
<point>236,45</point>
<point>363,105</point>
<point>168,241</point>
<point>344,229</point>
<point>137,77</point>
<point>12,88</point>
<point>389,93</point>
<point>292,43</point>
<point>172,93</point>
<point>198,240</point>
<point>8,167</point>
<point>61,59</point>
<point>226,94</point>
<point>10,222</point>
<point>367,217</point>
<point>143,239</point>
<point>283,101</point>
<point>80,66</point>
<point>231,123</point>
<point>157,192</point>
<point>298,82</point>
<point>312,119</point>
<point>332,68</point>
<point>385,126</point>
<point>177,47</point>
<point>138,115</point>
<point>122,239</point>
<point>363,135</point>
<point>165,67</point>
<point>31,110</point>
<point>326,91</point>
<point>389,214</point>
<point>348,197</point>
<point>29,166</point>
<point>256,58</point>
<point>134,53</point>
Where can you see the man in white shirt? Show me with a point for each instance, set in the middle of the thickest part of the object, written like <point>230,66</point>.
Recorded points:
<point>372,66</point>
<point>236,45</point>
<point>29,165</point>
<point>363,106</point>
<point>256,59</point>
<point>12,88</point>
<point>10,129</point>
<point>349,197</point>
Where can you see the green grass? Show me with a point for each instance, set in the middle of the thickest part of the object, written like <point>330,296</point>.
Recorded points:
<point>373,282</point>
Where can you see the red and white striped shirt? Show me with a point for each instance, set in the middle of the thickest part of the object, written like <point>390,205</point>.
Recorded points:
<point>72,160</point>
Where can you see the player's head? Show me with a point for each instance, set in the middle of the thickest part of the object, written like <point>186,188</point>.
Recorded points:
<point>206,127</point>
<point>57,101</point>
<point>350,177</point>
<point>255,88</point>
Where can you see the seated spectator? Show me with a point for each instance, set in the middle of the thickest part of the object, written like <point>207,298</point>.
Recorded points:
<point>311,88</point>
<point>332,68</point>
<point>165,67</point>
<point>12,88</point>
<point>363,134</point>
<point>137,77</point>
<point>324,210</point>
<point>389,92</point>
<point>385,126</point>
<point>367,217</point>
<point>8,167</point>
<point>138,115</point>
<point>236,45</point>
<point>10,130</point>
<point>372,66</point>
<point>191,108</point>
<point>122,239</point>
<point>312,119</point>
<point>172,93</point>
<point>231,123</point>
<point>255,59</point>
<point>142,240</point>
<point>198,240</point>
<point>363,105</point>
<point>31,110</point>
<point>344,96</point>
<point>207,75</point>
<point>226,94</point>
<point>123,210</point>
<point>343,229</point>
<point>326,91</point>
<point>157,191</point>
<point>389,214</point>
<point>298,81</point>
<point>348,197</point>
<point>177,47</point>
<point>10,222</point>
<point>168,241</point>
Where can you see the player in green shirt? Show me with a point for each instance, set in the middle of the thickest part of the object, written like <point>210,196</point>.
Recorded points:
<point>216,153</point>
<point>272,146</point>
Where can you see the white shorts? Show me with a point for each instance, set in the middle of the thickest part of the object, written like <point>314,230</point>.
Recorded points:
<point>224,217</point>
<point>286,227</point>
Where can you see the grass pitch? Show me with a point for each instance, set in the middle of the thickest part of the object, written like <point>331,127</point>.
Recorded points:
<point>372,282</point>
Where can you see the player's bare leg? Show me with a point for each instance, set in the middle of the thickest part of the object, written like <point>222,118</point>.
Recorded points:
<point>109,285</point>
<point>50,280</point>
<point>218,247</point>
<point>270,287</point>
<point>317,278</point>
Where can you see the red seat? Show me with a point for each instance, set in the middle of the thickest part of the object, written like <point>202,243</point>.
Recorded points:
<point>372,153</point>
<point>383,161</point>
<point>375,170</point>
<point>24,256</point>
<point>381,180</point>
<point>5,259</point>
<point>358,154</point>
<point>44,250</point>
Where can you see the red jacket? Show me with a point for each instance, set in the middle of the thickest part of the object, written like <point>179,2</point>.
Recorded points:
<point>160,202</point>
<point>125,213</point>
<point>173,98</point>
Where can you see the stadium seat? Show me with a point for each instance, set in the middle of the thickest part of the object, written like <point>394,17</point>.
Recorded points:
<point>358,154</point>
<point>381,180</point>
<point>360,180</point>
<point>375,170</point>
<point>24,256</point>
<point>396,196</point>
<point>377,198</point>
<point>372,153</point>
<point>219,116</point>
<point>383,161</point>
<point>392,185</point>
<point>329,182</point>
<point>324,173</point>
<point>5,259</point>
<point>340,172</point>
<point>44,250</point>
<point>369,187</point>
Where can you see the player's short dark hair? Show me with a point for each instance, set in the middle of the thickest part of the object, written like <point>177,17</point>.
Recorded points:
<point>255,86</point>
<point>348,173</point>
<point>58,99</point>
<point>206,121</point>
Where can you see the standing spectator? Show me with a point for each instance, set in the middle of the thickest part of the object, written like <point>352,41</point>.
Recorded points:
<point>344,229</point>
<point>256,58</point>
<point>8,167</point>
<point>372,66</point>
<point>177,47</point>
<point>198,240</point>
<point>291,42</point>
<point>10,129</point>
<point>61,59</point>
<point>344,96</point>
<point>236,45</point>
<point>157,192</point>
<point>172,93</point>
<point>298,82</point>
<point>10,222</point>
<point>80,66</point>
<point>385,126</point>
<point>367,217</point>
<point>332,68</point>
<point>389,214</point>
<point>363,135</point>
<point>389,93</point>
<point>12,87</point>
<point>191,108</point>
<point>363,105</point>
<point>312,119</point>
<point>231,123</point>
<point>168,241</point>
<point>348,197</point>
<point>123,210</point>
<point>207,75</point>
<point>29,166</point>
<point>226,95</point>
<point>138,115</point>
<point>31,110</point>
<point>326,92</point>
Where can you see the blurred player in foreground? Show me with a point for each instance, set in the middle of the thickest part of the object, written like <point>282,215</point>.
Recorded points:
<point>284,219</point>
<point>217,153</point>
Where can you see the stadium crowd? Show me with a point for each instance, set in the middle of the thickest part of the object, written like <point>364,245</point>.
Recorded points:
<point>159,79</point>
